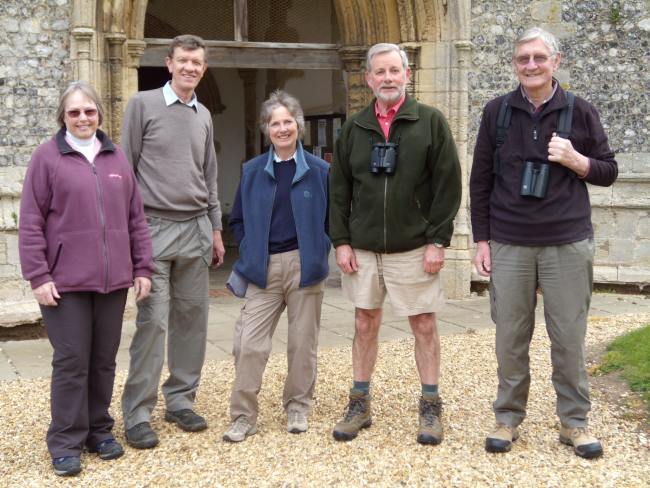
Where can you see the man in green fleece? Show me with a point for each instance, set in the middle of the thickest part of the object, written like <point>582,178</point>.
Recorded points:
<point>395,189</point>
<point>168,138</point>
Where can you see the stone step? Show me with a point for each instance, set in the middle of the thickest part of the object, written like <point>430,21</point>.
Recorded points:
<point>19,312</point>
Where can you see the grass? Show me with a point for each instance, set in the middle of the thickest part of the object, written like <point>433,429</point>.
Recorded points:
<point>630,354</point>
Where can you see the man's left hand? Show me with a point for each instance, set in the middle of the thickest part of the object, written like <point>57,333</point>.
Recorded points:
<point>218,249</point>
<point>434,259</point>
<point>141,287</point>
<point>561,151</point>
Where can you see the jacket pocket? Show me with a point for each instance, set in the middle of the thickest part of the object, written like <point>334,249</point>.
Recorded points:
<point>420,210</point>
<point>81,262</point>
<point>205,237</point>
<point>55,260</point>
<point>120,267</point>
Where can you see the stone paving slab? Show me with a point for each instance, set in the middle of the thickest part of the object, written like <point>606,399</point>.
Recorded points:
<point>7,370</point>
<point>29,359</point>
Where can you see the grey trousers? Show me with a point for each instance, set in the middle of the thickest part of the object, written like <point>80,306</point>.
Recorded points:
<point>565,275</point>
<point>254,330</point>
<point>84,330</point>
<point>178,308</point>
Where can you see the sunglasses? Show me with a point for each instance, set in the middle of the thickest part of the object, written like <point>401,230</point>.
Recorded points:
<point>537,59</point>
<point>75,114</point>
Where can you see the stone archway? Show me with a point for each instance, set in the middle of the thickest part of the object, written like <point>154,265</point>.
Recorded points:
<point>108,42</point>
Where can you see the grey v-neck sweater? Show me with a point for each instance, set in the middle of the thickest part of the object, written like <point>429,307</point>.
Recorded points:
<point>171,149</point>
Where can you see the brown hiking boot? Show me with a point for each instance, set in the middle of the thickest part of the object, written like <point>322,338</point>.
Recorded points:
<point>584,444</point>
<point>430,431</point>
<point>501,438</point>
<point>357,417</point>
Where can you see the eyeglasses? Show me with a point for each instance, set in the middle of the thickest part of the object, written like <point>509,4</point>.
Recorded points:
<point>75,114</point>
<point>537,59</point>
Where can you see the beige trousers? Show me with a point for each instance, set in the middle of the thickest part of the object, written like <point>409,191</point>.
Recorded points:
<point>254,330</point>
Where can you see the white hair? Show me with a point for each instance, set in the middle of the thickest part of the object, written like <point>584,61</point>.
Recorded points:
<point>385,47</point>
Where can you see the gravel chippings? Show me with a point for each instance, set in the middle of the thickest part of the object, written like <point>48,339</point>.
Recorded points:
<point>386,454</point>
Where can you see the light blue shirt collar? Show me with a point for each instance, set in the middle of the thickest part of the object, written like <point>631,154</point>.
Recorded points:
<point>278,159</point>
<point>171,97</point>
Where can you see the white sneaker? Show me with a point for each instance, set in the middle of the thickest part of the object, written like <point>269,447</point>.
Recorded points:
<point>296,422</point>
<point>239,430</point>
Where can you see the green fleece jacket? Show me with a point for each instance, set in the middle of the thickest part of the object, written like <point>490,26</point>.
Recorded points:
<point>414,206</point>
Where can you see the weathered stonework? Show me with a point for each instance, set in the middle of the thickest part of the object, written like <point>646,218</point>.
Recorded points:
<point>34,48</point>
<point>604,48</point>
<point>603,60</point>
<point>460,54</point>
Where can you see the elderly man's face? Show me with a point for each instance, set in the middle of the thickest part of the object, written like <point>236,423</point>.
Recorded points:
<point>387,77</point>
<point>534,65</point>
<point>187,68</point>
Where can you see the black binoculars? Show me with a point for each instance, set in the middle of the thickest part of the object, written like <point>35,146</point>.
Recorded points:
<point>383,157</point>
<point>534,180</point>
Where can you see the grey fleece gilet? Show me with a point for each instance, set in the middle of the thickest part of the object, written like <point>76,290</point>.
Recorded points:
<point>171,149</point>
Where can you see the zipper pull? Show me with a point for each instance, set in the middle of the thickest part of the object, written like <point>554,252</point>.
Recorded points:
<point>534,133</point>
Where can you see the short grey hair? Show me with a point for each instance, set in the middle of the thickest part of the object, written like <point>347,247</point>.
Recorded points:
<point>88,91</point>
<point>280,98</point>
<point>385,47</point>
<point>549,40</point>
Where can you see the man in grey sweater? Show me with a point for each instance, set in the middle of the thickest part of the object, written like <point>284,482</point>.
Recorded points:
<point>168,138</point>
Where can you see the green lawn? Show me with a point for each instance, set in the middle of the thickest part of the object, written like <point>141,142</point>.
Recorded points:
<point>630,354</point>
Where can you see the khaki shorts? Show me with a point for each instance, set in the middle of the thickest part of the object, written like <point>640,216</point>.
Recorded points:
<point>410,289</point>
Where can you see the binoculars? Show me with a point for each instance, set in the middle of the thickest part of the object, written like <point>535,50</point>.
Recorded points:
<point>534,180</point>
<point>383,157</point>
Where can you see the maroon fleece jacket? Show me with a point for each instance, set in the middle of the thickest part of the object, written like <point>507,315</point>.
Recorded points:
<point>82,225</point>
<point>499,212</point>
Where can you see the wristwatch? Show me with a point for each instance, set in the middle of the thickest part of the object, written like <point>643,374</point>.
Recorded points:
<point>438,245</point>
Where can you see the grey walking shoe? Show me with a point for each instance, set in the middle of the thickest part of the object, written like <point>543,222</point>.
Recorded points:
<point>296,422</point>
<point>240,429</point>
<point>357,417</point>
<point>430,431</point>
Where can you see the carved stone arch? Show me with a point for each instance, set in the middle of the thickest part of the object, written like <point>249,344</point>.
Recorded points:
<point>108,42</point>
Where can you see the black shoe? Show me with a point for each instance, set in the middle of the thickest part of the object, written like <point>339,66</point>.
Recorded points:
<point>186,420</point>
<point>108,449</point>
<point>141,436</point>
<point>66,466</point>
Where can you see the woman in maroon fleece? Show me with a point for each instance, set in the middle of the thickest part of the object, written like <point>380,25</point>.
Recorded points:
<point>83,242</point>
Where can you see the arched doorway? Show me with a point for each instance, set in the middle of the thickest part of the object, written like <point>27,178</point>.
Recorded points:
<point>109,45</point>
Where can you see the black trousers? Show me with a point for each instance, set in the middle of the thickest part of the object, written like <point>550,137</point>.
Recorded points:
<point>84,330</point>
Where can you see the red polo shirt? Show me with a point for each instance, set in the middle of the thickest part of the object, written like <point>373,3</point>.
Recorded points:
<point>385,121</point>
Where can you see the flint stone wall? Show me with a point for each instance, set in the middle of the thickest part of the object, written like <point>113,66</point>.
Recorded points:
<point>604,46</point>
<point>34,49</point>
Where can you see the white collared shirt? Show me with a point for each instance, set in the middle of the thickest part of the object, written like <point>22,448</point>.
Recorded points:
<point>278,159</point>
<point>171,97</point>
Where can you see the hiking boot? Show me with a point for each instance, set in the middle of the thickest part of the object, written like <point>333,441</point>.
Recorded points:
<point>141,436</point>
<point>430,431</point>
<point>296,422</point>
<point>108,449</point>
<point>187,420</point>
<point>357,417</point>
<point>584,444</point>
<point>240,429</point>
<point>501,438</point>
<point>66,466</point>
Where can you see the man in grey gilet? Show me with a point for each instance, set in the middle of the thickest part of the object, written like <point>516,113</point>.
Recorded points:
<point>168,138</point>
